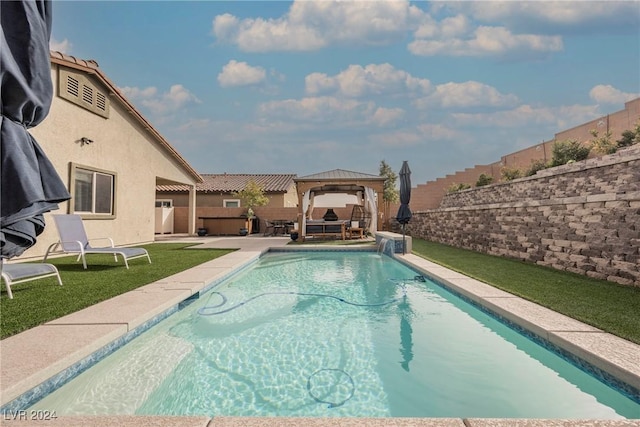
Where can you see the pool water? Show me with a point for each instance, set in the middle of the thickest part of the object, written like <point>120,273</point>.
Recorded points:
<point>325,334</point>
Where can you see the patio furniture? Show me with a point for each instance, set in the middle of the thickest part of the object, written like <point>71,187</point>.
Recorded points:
<point>277,226</point>
<point>18,273</point>
<point>74,240</point>
<point>322,228</point>
<point>359,224</point>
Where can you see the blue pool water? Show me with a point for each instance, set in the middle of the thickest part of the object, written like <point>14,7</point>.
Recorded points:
<point>335,334</point>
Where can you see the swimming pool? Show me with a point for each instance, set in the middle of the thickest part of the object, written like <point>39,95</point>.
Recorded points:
<point>335,334</point>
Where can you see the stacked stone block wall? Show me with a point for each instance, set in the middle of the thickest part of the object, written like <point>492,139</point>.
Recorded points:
<point>583,218</point>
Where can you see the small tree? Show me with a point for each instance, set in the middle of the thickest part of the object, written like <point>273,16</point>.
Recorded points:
<point>602,144</point>
<point>483,180</point>
<point>252,195</point>
<point>509,174</point>
<point>630,137</point>
<point>536,165</point>
<point>454,188</point>
<point>390,192</point>
<point>569,150</point>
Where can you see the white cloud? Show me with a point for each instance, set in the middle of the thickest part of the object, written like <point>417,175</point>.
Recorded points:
<point>467,94</point>
<point>403,138</point>
<point>176,98</point>
<point>63,46</point>
<point>311,25</point>
<point>386,116</point>
<point>607,94</point>
<point>324,109</point>
<point>240,74</point>
<point>439,132</point>
<point>316,83</point>
<point>487,41</point>
<point>135,93</point>
<point>554,118</point>
<point>373,79</point>
<point>555,16</point>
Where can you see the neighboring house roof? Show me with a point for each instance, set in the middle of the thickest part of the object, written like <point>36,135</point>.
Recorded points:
<point>229,183</point>
<point>91,67</point>
<point>337,174</point>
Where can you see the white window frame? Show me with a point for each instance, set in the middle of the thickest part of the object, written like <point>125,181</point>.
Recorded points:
<point>75,168</point>
<point>231,201</point>
<point>164,203</point>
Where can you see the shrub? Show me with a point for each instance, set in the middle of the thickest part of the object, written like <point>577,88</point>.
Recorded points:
<point>536,166</point>
<point>563,151</point>
<point>483,180</point>
<point>454,188</point>
<point>509,174</point>
<point>628,139</point>
<point>602,144</point>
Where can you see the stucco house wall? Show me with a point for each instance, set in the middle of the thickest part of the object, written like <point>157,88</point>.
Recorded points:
<point>121,144</point>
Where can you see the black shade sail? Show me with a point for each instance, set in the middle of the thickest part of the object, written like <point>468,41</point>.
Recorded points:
<point>30,185</point>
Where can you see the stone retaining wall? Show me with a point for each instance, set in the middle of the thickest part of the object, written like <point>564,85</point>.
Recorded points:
<point>583,217</point>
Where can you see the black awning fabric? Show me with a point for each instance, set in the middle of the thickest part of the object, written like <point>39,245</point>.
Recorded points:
<point>30,185</point>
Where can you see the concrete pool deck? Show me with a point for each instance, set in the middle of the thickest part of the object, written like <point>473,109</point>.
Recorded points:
<point>31,357</point>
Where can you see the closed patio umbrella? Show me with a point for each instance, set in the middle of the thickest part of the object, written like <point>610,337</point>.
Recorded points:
<point>404,213</point>
<point>30,185</point>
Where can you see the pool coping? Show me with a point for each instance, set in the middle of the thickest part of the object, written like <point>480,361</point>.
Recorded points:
<point>41,353</point>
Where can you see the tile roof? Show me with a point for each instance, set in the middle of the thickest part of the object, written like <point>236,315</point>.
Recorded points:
<point>229,182</point>
<point>338,174</point>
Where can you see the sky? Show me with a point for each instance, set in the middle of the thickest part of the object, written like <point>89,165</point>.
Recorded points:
<point>310,86</point>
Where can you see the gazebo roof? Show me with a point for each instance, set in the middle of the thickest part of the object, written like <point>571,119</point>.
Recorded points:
<point>339,175</point>
<point>339,181</point>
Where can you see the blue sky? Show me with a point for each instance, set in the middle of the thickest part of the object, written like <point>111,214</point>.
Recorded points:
<point>308,86</point>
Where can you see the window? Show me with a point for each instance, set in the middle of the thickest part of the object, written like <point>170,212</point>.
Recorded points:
<point>93,191</point>
<point>77,88</point>
<point>164,203</point>
<point>231,203</point>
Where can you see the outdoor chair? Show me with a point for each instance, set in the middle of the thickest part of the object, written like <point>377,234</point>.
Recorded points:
<point>269,228</point>
<point>74,240</point>
<point>359,223</point>
<point>18,273</point>
<point>274,227</point>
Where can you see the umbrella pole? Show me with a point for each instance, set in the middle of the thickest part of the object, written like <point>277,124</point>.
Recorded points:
<point>404,243</point>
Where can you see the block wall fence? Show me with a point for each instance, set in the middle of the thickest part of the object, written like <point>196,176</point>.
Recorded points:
<point>582,217</point>
<point>429,195</point>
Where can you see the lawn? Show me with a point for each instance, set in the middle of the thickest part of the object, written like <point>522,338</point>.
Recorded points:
<point>43,300</point>
<point>608,306</point>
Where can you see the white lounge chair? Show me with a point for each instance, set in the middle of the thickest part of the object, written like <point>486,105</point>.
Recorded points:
<point>74,240</point>
<point>18,273</point>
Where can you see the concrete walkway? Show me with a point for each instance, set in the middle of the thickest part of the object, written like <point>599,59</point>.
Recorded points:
<point>38,354</point>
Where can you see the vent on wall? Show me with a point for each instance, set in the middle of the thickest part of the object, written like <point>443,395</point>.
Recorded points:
<point>77,88</point>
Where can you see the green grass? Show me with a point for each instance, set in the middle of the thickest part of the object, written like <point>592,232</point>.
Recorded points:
<point>43,300</point>
<point>608,306</point>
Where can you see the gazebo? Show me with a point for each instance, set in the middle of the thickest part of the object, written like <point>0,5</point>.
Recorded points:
<point>369,190</point>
